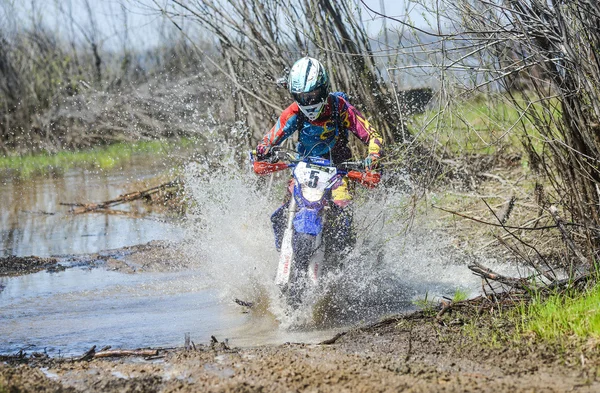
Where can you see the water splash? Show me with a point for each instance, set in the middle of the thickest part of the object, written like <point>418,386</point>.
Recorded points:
<point>399,256</point>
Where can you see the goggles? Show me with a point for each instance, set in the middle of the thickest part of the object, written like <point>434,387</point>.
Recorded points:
<point>312,97</point>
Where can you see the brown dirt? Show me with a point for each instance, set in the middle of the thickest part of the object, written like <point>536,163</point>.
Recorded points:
<point>14,266</point>
<point>409,354</point>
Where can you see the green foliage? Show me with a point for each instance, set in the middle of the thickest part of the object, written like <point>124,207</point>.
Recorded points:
<point>107,157</point>
<point>484,124</point>
<point>569,315</point>
<point>460,295</point>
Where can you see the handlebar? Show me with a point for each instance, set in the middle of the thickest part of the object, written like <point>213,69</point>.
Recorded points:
<point>353,169</point>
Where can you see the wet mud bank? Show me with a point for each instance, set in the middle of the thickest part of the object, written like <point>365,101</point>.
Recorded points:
<point>15,266</point>
<point>149,257</point>
<point>410,353</point>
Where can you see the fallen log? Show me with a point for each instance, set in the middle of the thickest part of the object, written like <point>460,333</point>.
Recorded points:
<point>126,352</point>
<point>79,208</point>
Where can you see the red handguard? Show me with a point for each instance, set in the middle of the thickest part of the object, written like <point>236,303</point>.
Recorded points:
<point>264,168</point>
<point>367,179</point>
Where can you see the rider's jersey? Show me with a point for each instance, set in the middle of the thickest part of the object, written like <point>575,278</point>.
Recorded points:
<point>320,137</point>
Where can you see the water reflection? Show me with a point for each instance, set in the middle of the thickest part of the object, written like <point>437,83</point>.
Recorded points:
<point>32,221</point>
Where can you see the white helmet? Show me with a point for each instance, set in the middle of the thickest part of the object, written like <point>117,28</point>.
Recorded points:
<point>309,85</point>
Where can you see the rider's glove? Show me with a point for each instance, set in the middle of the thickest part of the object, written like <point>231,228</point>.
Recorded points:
<point>262,152</point>
<point>371,162</point>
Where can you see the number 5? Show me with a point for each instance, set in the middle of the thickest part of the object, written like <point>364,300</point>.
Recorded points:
<point>314,179</point>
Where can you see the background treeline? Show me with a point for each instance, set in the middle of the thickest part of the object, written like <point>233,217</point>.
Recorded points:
<point>214,64</point>
<point>69,91</point>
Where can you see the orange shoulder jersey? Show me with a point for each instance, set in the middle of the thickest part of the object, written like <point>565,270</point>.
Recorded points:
<point>322,137</point>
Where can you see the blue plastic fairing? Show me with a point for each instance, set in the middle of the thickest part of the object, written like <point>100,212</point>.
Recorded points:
<point>308,221</point>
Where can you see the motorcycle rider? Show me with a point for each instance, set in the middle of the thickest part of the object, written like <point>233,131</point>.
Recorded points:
<point>322,120</point>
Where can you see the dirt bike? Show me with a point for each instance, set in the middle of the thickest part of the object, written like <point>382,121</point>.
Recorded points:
<point>305,246</point>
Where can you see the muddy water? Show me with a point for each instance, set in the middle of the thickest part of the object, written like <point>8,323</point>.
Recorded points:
<point>68,312</point>
<point>32,221</point>
<point>228,246</point>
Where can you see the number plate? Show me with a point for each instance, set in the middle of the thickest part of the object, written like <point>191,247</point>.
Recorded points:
<point>314,176</point>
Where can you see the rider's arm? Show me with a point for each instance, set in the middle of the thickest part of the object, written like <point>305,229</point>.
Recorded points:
<point>361,127</point>
<point>285,126</point>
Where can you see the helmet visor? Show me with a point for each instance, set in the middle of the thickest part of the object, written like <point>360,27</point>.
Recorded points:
<point>312,97</point>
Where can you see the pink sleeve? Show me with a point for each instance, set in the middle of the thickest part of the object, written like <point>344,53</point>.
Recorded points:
<point>353,120</point>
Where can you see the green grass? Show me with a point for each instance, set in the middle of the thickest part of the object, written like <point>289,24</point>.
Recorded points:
<point>460,295</point>
<point>102,158</point>
<point>562,319</point>
<point>427,305</point>
<point>563,316</point>
<point>477,125</point>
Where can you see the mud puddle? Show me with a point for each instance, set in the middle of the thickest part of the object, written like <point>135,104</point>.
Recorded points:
<point>67,312</point>
<point>33,221</point>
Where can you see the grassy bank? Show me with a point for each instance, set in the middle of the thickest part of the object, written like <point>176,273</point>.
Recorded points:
<point>567,322</point>
<point>100,158</point>
<point>571,316</point>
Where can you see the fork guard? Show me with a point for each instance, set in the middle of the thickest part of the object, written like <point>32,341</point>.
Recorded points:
<point>308,221</point>
<point>264,167</point>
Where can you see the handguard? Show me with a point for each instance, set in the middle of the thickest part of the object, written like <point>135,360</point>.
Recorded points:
<point>367,179</point>
<point>265,167</point>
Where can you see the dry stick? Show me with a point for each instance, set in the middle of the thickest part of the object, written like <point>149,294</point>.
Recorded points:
<point>90,207</point>
<point>494,294</point>
<point>186,344</point>
<point>89,355</point>
<point>544,273</point>
<point>126,352</point>
<point>487,273</point>
<point>243,303</point>
<point>333,339</point>
<point>445,307</point>
<point>214,342</point>
<point>498,225</point>
<point>551,278</point>
<point>523,257</point>
<point>509,209</point>
<point>566,236</point>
